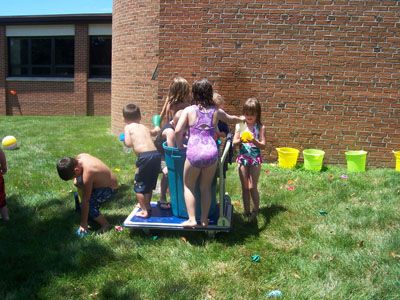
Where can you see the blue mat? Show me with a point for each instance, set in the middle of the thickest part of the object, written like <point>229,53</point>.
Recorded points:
<point>163,217</point>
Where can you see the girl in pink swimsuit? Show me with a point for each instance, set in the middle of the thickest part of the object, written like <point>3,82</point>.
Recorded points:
<point>202,151</point>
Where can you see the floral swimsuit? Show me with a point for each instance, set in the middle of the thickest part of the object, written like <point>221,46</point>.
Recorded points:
<point>249,154</point>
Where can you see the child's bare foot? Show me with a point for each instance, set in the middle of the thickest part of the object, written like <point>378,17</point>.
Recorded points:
<point>204,223</point>
<point>143,214</point>
<point>104,228</point>
<point>189,223</point>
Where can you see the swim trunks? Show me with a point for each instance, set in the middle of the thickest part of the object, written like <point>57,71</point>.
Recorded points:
<point>148,168</point>
<point>97,198</point>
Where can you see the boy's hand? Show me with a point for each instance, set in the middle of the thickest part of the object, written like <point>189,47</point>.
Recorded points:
<point>242,118</point>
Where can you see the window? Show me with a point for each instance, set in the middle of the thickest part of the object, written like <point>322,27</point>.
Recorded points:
<point>41,56</point>
<point>100,56</point>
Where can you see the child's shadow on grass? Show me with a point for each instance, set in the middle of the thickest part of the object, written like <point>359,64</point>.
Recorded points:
<point>242,229</point>
<point>38,242</point>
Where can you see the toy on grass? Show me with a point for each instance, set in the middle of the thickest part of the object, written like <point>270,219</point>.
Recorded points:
<point>274,294</point>
<point>156,120</point>
<point>246,136</point>
<point>255,258</point>
<point>9,142</point>
<point>122,137</point>
<point>81,233</point>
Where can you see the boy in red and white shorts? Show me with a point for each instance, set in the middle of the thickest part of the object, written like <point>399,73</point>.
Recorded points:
<point>3,170</point>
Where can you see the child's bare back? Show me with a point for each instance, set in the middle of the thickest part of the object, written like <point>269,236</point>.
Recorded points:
<point>138,137</point>
<point>95,170</point>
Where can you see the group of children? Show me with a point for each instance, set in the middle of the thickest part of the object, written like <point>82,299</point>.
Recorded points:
<point>191,122</point>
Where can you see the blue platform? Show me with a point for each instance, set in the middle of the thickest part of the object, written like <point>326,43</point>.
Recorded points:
<point>164,219</point>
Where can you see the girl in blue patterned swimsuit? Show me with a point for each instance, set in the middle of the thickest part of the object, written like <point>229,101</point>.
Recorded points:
<point>202,152</point>
<point>249,158</point>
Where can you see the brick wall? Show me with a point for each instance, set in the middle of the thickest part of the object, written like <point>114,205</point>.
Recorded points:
<point>40,98</point>
<point>327,73</point>
<point>81,67</point>
<point>134,58</point>
<point>181,25</point>
<point>99,98</point>
<point>73,96</point>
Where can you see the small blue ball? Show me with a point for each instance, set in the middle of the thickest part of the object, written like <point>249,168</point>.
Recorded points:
<point>122,137</point>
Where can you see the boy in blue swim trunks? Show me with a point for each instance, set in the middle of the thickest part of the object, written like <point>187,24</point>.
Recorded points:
<point>139,137</point>
<point>96,184</point>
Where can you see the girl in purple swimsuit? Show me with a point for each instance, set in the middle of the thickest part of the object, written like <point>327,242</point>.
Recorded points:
<point>202,152</point>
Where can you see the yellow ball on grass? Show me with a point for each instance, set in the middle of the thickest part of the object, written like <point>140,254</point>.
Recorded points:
<point>9,142</point>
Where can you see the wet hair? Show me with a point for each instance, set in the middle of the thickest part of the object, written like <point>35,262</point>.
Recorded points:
<point>253,107</point>
<point>218,100</point>
<point>202,91</point>
<point>179,91</point>
<point>65,167</point>
<point>131,112</point>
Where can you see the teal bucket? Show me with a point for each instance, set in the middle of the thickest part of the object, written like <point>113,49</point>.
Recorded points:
<point>313,159</point>
<point>175,160</point>
<point>356,160</point>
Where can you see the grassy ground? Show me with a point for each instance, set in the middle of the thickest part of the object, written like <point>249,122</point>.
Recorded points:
<point>325,238</point>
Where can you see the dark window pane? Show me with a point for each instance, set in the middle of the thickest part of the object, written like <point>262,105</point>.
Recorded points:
<point>64,71</point>
<point>19,53</point>
<point>44,71</point>
<point>19,71</point>
<point>64,51</point>
<point>41,51</point>
<point>41,56</point>
<point>101,72</point>
<point>100,50</point>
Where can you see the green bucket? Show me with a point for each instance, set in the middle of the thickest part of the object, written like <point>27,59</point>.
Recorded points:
<point>313,159</point>
<point>356,160</point>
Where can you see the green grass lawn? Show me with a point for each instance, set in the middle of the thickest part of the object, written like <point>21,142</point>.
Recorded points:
<point>351,252</point>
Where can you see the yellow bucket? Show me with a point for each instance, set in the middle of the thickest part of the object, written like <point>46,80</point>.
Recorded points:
<point>287,157</point>
<point>397,155</point>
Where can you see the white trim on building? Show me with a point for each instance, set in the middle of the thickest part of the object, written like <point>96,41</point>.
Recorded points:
<point>40,30</point>
<point>100,29</point>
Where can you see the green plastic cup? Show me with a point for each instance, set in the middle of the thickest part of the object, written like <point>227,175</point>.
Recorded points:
<point>356,160</point>
<point>156,120</point>
<point>313,159</point>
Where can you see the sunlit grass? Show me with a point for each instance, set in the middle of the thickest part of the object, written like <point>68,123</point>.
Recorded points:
<point>350,252</point>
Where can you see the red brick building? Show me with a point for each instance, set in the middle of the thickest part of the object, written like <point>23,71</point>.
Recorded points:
<point>55,65</point>
<point>327,72</point>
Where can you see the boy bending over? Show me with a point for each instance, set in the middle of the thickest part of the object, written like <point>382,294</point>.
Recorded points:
<point>138,137</point>
<point>95,182</point>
